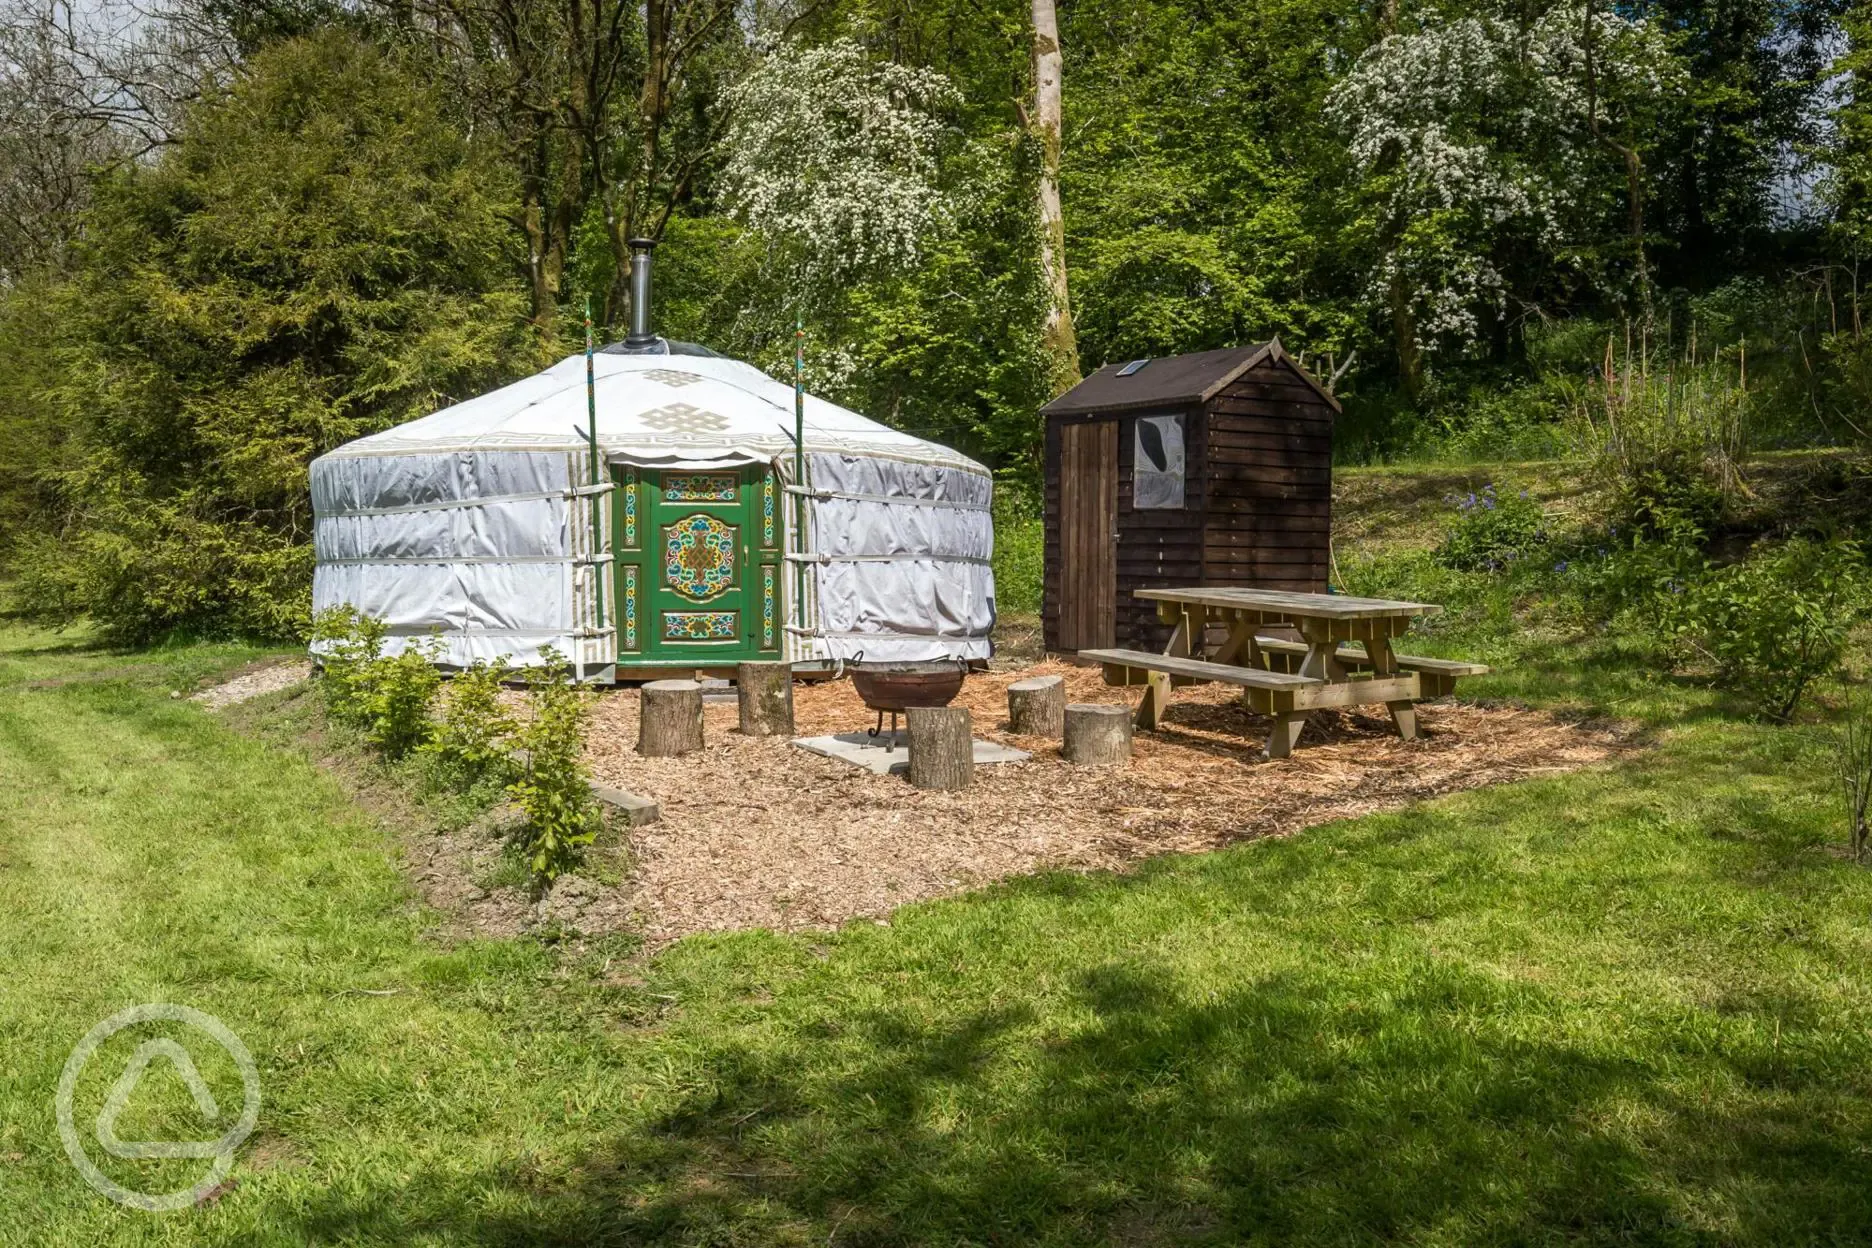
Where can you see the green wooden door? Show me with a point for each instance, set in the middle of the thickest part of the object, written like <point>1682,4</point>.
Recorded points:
<point>698,566</point>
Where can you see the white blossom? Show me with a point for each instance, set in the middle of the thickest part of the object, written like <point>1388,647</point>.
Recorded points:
<point>835,156</point>
<point>1478,128</point>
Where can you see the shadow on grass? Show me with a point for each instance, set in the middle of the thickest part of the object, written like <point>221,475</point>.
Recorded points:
<point>1278,1111</point>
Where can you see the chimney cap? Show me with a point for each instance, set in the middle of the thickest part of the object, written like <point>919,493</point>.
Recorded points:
<point>641,244</point>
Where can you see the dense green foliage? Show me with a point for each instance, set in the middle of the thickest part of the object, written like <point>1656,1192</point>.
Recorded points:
<point>1774,623</point>
<point>1536,229</point>
<point>320,258</point>
<point>553,787</point>
<point>472,742</point>
<point>1492,529</point>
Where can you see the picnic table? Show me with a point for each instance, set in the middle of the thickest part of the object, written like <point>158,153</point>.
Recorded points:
<point>1344,657</point>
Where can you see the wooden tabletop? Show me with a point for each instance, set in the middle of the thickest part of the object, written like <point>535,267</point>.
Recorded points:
<point>1285,602</point>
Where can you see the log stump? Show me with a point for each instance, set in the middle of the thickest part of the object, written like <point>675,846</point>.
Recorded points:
<point>670,721</point>
<point>766,696</point>
<point>1037,706</point>
<point>1097,734</point>
<point>942,747</point>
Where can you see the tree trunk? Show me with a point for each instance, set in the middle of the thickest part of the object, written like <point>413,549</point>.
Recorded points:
<point>1404,332</point>
<point>670,722</point>
<point>1037,707</point>
<point>766,696</point>
<point>1060,344</point>
<point>942,747</point>
<point>1097,734</point>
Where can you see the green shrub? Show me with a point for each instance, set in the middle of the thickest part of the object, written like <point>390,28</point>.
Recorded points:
<point>386,696</point>
<point>1777,621</point>
<point>347,642</point>
<point>1673,497</point>
<point>554,789</point>
<point>315,255</point>
<point>398,691</point>
<point>473,737</point>
<point>1666,445</point>
<point>1635,577</point>
<point>1491,531</point>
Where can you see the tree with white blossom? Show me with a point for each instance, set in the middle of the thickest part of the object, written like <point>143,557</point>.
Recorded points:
<point>1479,138</point>
<point>834,159</point>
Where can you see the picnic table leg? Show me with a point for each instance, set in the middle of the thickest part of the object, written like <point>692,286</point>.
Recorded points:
<point>1286,733</point>
<point>1383,664</point>
<point>1156,701</point>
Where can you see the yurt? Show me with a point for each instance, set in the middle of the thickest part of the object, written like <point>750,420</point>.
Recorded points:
<point>659,521</point>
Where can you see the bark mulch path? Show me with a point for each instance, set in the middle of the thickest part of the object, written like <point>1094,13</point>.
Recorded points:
<point>759,833</point>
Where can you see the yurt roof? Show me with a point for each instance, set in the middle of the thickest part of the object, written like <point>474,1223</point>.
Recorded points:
<point>675,409</point>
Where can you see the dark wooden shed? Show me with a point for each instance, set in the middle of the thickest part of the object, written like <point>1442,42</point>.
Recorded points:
<point>1207,469</point>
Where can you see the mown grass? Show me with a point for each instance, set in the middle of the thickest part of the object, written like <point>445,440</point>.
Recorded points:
<point>1629,1005</point>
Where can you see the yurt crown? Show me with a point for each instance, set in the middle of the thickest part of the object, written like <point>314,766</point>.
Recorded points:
<point>640,336</point>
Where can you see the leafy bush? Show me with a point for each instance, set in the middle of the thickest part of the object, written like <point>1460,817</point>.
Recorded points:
<point>317,254</point>
<point>554,790</point>
<point>398,691</point>
<point>1672,497</point>
<point>1666,445</point>
<point>387,696</point>
<point>1636,577</point>
<point>1778,620</point>
<point>347,642</point>
<point>1491,531</point>
<point>474,735</point>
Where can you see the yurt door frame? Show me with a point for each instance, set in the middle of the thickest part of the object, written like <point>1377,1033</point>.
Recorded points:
<point>698,558</point>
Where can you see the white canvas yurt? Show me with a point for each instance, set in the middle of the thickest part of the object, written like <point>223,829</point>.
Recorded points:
<point>691,547</point>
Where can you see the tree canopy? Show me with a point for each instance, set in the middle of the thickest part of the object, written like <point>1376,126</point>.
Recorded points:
<point>233,236</point>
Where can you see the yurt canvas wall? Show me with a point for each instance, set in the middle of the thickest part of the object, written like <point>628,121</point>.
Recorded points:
<point>475,526</point>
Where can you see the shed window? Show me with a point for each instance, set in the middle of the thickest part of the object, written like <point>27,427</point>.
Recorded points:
<point>1157,466</point>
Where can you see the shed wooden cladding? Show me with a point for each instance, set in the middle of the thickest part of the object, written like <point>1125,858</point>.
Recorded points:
<point>1257,490</point>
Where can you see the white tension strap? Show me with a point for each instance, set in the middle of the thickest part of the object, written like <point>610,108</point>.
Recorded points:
<point>923,558</point>
<point>444,504</point>
<point>797,631</point>
<point>444,559</point>
<point>894,500</point>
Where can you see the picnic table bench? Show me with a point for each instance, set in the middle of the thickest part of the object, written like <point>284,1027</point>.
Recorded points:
<point>1346,658</point>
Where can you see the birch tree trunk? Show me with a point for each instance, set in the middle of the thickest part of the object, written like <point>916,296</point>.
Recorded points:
<point>1058,341</point>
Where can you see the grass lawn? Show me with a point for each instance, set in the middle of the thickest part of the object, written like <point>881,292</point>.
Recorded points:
<point>1628,1005</point>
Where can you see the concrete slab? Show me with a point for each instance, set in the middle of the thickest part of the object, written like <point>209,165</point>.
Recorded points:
<point>861,749</point>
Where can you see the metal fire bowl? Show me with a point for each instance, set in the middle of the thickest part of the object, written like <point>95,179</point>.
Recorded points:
<point>899,686</point>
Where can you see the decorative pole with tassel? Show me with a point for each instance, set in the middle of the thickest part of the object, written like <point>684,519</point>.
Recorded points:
<point>591,442</point>
<point>799,463</point>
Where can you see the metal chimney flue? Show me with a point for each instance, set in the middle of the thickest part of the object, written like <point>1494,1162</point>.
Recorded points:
<point>640,335</point>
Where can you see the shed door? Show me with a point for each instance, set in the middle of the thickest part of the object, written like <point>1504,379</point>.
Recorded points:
<point>1088,535</point>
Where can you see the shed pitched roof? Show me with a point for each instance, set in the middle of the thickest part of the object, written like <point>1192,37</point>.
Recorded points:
<point>1174,379</point>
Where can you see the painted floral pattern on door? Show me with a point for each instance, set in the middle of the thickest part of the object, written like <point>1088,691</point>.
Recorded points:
<point>699,556</point>
<point>701,625</point>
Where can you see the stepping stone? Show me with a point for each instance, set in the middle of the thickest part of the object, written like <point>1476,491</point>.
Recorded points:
<point>861,749</point>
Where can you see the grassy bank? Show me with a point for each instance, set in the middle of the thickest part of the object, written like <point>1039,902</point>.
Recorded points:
<point>1626,1005</point>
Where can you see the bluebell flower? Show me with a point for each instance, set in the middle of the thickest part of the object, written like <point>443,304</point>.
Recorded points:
<point>1561,566</point>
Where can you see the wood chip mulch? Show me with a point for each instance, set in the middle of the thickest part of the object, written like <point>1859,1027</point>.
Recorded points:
<point>758,833</point>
